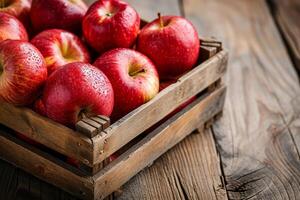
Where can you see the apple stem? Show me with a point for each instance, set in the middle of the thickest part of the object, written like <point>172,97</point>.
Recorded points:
<point>161,22</point>
<point>134,73</point>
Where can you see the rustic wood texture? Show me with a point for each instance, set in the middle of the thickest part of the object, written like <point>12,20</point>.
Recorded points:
<point>178,176</point>
<point>92,126</point>
<point>142,118</point>
<point>44,131</point>
<point>18,185</point>
<point>187,170</point>
<point>258,135</point>
<point>163,138</point>
<point>287,15</point>
<point>42,166</point>
<point>54,171</point>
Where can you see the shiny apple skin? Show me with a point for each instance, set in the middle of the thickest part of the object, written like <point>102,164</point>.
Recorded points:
<point>11,28</point>
<point>107,32</point>
<point>59,48</point>
<point>174,49</point>
<point>133,90</point>
<point>74,91</point>
<point>18,8</point>
<point>60,14</point>
<point>22,72</point>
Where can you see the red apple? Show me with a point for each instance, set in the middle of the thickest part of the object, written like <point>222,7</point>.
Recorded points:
<point>60,47</point>
<point>172,43</point>
<point>11,28</point>
<point>22,72</point>
<point>39,107</point>
<point>62,14</point>
<point>133,77</point>
<point>109,24</point>
<point>77,90</point>
<point>17,8</point>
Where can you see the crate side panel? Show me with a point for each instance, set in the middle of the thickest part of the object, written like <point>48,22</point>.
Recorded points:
<point>121,132</point>
<point>47,132</point>
<point>163,138</point>
<point>44,168</point>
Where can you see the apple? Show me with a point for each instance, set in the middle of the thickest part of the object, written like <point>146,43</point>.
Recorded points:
<point>39,107</point>
<point>22,72</point>
<point>110,24</point>
<point>172,43</point>
<point>62,14</point>
<point>133,77</point>
<point>11,28</point>
<point>59,48</point>
<point>75,91</point>
<point>18,8</point>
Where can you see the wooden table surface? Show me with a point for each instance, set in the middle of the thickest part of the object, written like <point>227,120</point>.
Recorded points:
<point>252,152</point>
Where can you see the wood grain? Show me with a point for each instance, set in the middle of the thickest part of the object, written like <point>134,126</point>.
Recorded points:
<point>190,170</point>
<point>287,15</point>
<point>52,170</point>
<point>142,118</point>
<point>258,135</point>
<point>42,166</point>
<point>187,170</point>
<point>47,132</point>
<point>22,186</point>
<point>158,142</point>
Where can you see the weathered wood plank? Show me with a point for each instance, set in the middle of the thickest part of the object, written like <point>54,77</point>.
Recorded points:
<point>158,142</point>
<point>208,159</point>
<point>190,170</point>
<point>17,152</point>
<point>127,165</point>
<point>287,15</point>
<point>46,131</point>
<point>127,128</point>
<point>17,184</point>
<point>149,184</point>
<point>258,135</point>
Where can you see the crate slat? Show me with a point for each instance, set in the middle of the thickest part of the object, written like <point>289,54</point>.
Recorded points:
<point>43,167</point>
<point>158,142</point>
<point>195,81</point>
<point>94,176</point>
<point>47,132</point>
<point>124,167</point>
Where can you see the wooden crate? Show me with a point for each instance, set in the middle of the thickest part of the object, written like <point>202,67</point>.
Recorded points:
<point>94,139</point>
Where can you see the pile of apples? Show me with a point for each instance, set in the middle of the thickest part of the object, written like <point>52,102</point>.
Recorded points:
<point>68,61</point>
